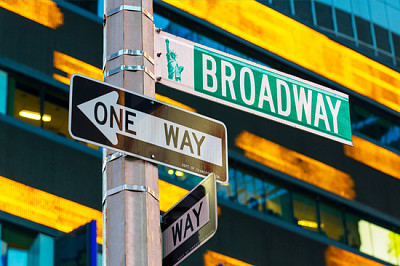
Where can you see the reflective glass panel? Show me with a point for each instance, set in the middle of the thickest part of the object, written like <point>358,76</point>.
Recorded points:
<point>363,30</point>
<point>27,104</point>
<point>382,38</point>
<point>277,201</point>
<point>3,92</point>
<point>282,5</point>
<point>352,230</point>
<point>249,190</point>
<point>302,9</point>
<point>228,191</point>
<point>324,15</point>
<point>385,130</point>
<point>331,221</point>
<point>381,243</point>
<point>56,115</point>
<point>304,211</point>
<point>344,23</point>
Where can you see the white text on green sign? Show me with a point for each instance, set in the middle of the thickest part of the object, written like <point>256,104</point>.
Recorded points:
<point>259,90</point>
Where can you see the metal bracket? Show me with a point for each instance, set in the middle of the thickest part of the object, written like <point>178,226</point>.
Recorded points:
<point>130,8</point>
<point>110,158</point>
<point>128,187</point>
<point>130,68</point>
<point>131,52</point>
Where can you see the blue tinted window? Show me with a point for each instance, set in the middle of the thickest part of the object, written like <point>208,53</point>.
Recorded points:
<point>3,92</point>
<point>17,257</point>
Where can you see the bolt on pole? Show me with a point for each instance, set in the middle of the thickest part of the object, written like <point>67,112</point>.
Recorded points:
<point>131,219</point>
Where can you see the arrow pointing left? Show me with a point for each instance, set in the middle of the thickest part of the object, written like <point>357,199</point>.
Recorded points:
<point>145,128</point>
<point>109,117</point>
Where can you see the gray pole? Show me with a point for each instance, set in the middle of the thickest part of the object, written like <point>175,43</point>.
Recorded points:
<point>131,218</point>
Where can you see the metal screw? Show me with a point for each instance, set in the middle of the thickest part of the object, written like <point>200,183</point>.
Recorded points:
<point>159,54</point>
<point>158,79</point>
<point>158,30</point>
<point>152,156</point>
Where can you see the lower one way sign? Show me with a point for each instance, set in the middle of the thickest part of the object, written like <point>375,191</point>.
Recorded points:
<point>190,223</point>
<point>139,126</point>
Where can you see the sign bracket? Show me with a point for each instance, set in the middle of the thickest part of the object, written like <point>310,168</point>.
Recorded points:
<point>130,68</point>
<point>110,158</point>
<point>130,187</point>
<point>130,8</point>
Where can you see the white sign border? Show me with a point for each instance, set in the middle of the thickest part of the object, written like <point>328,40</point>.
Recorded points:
<point>138,156</point>
<point>216,217</point>
<point>181,87</point>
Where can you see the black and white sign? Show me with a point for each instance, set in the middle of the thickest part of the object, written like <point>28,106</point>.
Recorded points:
<point>190,223</point>
<point>143,127</point>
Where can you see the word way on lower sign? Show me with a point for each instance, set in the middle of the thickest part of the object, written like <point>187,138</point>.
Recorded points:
<point>190,223</point>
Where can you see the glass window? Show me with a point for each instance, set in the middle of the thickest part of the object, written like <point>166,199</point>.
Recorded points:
<point>378,241</point>
<point>303,10</point>
<point>3,92</point>
<point>394,246</point>
<point>324,15</point>
<point>42,251</point>
<point>38,106</point>
<point>344,23</point>
<point>363,30</point>
<point>282,5</point>
<point>352,230</point>
<point>27,104</point>
<point>21,246</point>
<point>396,45</point>
<point>16,256</point>
<point>385,130</point>
<point>381,243</point>
<point>331,221</point>
<point>278,201</point>
<point>382,38</point>
<point>364,121</point>
<point>228,191</point>
<point>56,114</point>
<point>250,190</point>
<point>304,212</point>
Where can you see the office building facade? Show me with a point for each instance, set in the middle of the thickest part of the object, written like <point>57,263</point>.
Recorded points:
<point>293,198</point>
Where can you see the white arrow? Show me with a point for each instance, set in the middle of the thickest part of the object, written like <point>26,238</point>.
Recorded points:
<point>98,111</point>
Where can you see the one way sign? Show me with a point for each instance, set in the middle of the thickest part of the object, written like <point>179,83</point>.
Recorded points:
<point>190,222</point>
<point>122,120</point>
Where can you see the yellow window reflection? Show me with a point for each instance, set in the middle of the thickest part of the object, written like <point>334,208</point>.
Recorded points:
<point>296,164</point>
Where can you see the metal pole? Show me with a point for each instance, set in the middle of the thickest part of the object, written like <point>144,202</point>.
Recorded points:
<point>131,219</point>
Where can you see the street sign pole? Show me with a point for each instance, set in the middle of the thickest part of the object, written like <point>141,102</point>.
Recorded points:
<point>131,217</point>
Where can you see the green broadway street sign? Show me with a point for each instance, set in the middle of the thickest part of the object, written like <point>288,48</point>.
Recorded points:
<point>259,90</point>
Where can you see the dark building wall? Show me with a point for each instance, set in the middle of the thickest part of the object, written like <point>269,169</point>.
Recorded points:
<point>32,44</point>
<point>43,160</point>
